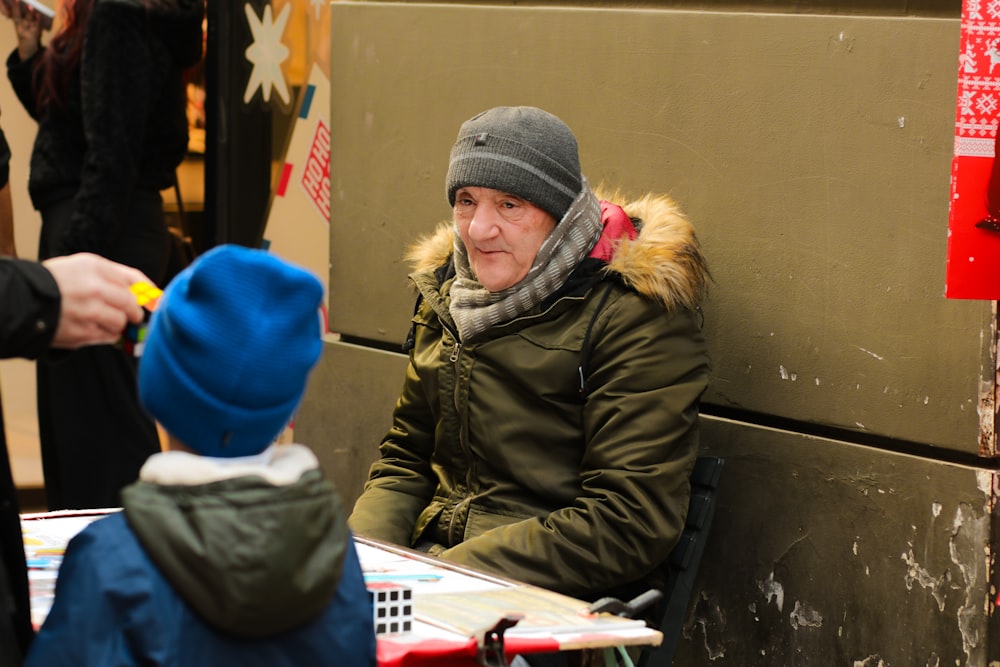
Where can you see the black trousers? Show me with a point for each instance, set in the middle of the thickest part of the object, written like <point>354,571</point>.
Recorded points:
<point>94,435</point>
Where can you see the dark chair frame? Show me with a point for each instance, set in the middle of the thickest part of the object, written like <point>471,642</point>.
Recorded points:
<point>685,559</point>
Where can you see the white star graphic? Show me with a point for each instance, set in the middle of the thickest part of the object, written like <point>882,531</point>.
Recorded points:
<point>266,53</point>
<point>318,4</point>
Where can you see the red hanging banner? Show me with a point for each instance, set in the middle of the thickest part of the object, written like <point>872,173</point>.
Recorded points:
<point>973,261</point>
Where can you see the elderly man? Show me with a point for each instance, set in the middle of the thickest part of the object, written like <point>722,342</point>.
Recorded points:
<point>548,421</point>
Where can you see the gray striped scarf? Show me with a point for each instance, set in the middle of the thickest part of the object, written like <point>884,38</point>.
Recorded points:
<point>475,309</point>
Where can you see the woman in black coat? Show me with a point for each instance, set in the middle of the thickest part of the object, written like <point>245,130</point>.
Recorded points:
<point>108,93</point>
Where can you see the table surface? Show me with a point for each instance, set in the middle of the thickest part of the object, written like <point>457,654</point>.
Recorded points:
<point>454,609</point>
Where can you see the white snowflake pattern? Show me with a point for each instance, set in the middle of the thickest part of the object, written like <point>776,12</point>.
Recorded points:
<point>993,8</point>
<point>972,10</point>
<point>986,104</point>
<point>965,102</point>
<point>266,53</point>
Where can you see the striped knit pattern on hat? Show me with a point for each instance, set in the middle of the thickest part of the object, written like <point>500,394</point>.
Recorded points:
<point>523,151</point>
<point>475,309</point>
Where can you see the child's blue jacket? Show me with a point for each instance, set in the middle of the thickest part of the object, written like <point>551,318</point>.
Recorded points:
<point>116,607</point>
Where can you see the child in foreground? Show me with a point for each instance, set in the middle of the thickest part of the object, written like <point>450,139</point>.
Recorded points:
<point>230,550</point>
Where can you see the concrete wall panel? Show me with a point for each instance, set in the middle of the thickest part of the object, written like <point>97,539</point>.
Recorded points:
<point>827,553</point>
<point>347,409</point>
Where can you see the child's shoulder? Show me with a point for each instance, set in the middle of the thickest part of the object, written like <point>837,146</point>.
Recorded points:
<point>108,544</point>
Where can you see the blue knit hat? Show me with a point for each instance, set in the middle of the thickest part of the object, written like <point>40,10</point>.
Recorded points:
<point>229,350</point>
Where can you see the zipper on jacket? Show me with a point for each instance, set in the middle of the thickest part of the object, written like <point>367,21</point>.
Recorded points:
<point>463,441</point>
<point>463,444</point>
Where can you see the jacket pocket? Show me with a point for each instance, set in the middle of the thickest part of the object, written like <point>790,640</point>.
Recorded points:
<point>482,519</point>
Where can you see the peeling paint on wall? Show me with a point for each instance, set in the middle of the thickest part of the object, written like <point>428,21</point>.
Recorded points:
<point>969,532</point>
<point>916,574</point>
<point>967,535</point>
<point>871,661</point>
<point>844,42</point>
<point>989,402</point>
<point>856,551</point>
<point>989,483</point>
<point>772,590</point>
<point>709,617</point>
<point>804,616</point>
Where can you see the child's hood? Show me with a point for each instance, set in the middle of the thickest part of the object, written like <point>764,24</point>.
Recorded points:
<point>254,552</point>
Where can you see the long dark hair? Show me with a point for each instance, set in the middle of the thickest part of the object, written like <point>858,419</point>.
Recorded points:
<point>57,65</point>
<point>62,56</point>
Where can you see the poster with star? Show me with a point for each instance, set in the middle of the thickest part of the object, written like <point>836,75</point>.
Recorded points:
<point>973,256</point>
<point>266,53</point>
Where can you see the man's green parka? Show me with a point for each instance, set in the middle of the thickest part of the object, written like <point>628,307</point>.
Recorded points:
<point>555,448</point>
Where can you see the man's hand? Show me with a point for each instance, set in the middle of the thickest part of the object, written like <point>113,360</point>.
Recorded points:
<point>97,303</point>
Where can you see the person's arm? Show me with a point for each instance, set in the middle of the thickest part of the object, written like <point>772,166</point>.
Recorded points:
<point>20,73</point>
<point>96,300</point>
<point>29,308</point>
<point>648,370</point>
<point>21,61</point>
<point>64,302</point>
<point>28,26</point>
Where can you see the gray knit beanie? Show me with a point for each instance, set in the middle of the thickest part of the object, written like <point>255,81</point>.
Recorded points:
<point>520,150</point>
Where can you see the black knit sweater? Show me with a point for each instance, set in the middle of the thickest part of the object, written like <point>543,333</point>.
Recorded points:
<point>124,125</point>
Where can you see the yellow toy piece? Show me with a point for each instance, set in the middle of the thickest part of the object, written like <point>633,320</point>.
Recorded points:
<point>146,295</point>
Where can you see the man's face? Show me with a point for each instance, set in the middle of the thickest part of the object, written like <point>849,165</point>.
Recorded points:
<point>501,232</point>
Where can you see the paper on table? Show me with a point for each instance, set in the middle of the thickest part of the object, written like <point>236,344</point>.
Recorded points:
<point>542,611</point>
<point>45,538</point>
<point>421,575</point>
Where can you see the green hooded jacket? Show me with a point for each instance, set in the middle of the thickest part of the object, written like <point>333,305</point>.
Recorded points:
<point>555,448</point>
<point>254,550</point>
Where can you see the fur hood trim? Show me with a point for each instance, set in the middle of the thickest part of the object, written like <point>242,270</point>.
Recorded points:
<point>664,262</point>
